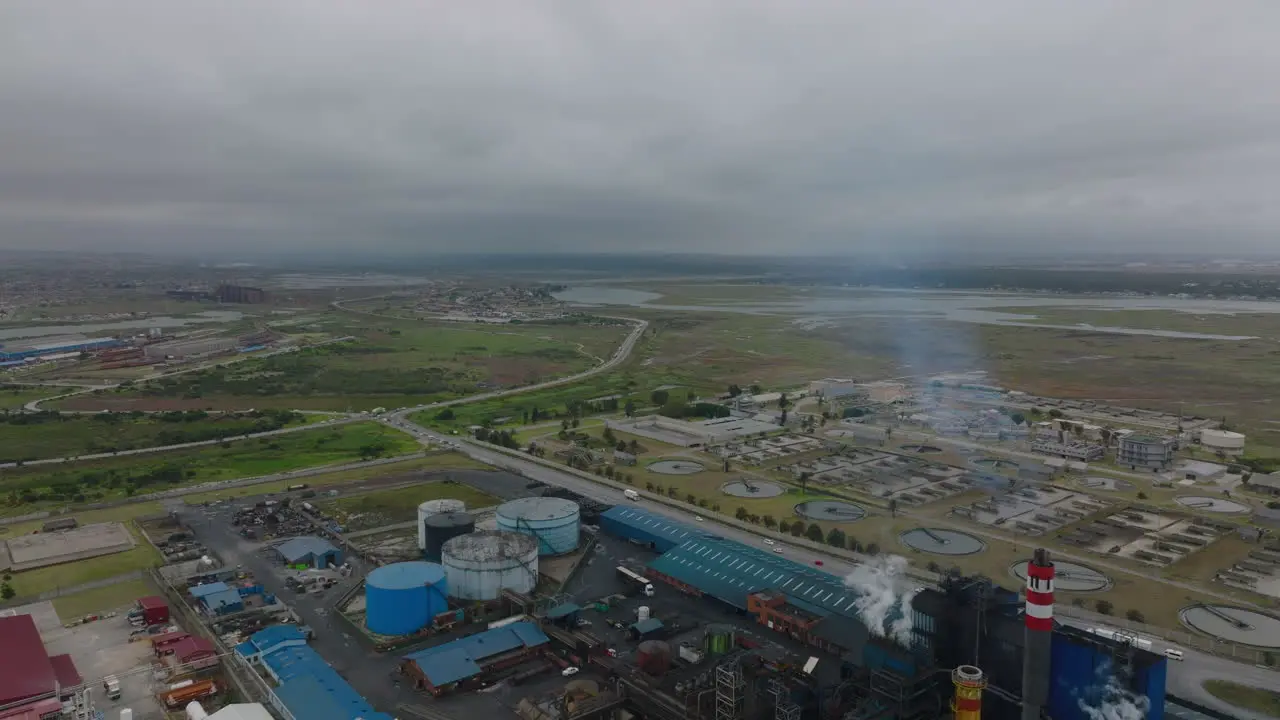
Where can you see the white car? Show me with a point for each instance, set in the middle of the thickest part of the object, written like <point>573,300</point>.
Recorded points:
<point>698,518</point>
<point>778,550</point>
<point>569,671</point>
<point>767,541</point>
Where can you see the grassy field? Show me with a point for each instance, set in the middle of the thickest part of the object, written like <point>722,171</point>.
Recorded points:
<point>1245,697</point>
<point>117,596</point>
<point>14,397</point>
<point>120,513</point>
<point>431,463</point>
<point>1264,325</point>
<point>51,435</point>
<point>34,582</point>
<point>32,487</point>
<point>388,507</point>
<point>392,363</point>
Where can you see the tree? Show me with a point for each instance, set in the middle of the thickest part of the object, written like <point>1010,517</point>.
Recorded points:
<point>783,402</point>
<point>813,532</point>
<point>740,513</point>
<point>607,435</point>
<point>798,529</point>
<point>835,538</point>
<point>1055,413</point>
<point>734,391</point>
<point>893,507</point>
<point>671,491</point>
<point>629,409</point>
<point>853,544</point>
<point>726,465</point>
<point>648,486</point>
<point>1077,602</point>
<point>691,499</point>
<point>1103,607</point>
<point>1142,495</point>
<point>872,548</point>
<point>769,521</point>
<point>755,389</point>
<point>715,507</point>
<point>633,447</point>
<point>783,526</point>
<point>1135,615</point>
<point>804,480</point>
<point>7,592</point>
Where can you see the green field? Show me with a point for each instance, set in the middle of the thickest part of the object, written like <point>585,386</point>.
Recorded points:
<point>434,462</point>
<point>66,575</point>
<point>32,436</point>
<point>392,363</point>
<point>115,597</point>
<point>388,507</point>
<point>14,397</point>
<point>1265,701</point>
<point>32,487</point>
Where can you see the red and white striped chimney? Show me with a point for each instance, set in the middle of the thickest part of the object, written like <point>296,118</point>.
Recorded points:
<point>1039,610</point>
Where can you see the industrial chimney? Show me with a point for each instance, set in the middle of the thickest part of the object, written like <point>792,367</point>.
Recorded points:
<point>1039,621</point>
<point>970,682</point>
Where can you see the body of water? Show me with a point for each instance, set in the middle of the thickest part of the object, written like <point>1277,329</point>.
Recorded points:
<point>943,305</point>
<point>112,328</point>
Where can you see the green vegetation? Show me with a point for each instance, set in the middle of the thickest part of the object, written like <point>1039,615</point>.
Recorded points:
<point>49,434</point>
<point>432,462</point>
<point>117,596</point>
<point>1245,697</point>
<point>120,513</point>
<point>107,479</point>
<point>391,363</point>
<point>14,397</point>
<point>387,507</point>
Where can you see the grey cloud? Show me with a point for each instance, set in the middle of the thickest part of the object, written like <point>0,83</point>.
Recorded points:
<point>699,125</point>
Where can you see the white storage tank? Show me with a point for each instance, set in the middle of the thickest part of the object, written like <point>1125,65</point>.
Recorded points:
<point>1231,443</point>
<point>481,565</point>
<point>435,507</point>
<point>555,522</point>
<point>643,613</point>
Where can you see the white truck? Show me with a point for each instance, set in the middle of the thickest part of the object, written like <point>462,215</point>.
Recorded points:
<point>631,494</point>
<point>640,582</point>
<point>111,686</point>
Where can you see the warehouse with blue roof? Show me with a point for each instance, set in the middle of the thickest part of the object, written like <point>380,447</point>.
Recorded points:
<point>646,528</point>
<point>313,551</point>
<point>441,668</point>
<point>305,684</point>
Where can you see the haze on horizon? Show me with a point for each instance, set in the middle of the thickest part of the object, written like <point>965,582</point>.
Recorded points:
<point>888,127</point>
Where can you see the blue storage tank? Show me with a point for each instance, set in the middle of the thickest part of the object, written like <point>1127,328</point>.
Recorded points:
<point>401,599</point>
<point>555,522</point>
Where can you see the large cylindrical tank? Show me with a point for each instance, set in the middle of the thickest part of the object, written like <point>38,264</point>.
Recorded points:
<point>555,522</point>
<point>1225,440</point>
<point>653,657</point>
<point>403,597</point>
<point>433,507</point>
<point>719,639</point>
<point>479,566</point>
<point>443,527</point>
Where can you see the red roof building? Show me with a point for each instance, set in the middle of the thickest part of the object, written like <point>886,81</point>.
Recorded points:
<point>163,644</point>
<point>25,670</point>
<point>64,668</point>
<point>195,650</point>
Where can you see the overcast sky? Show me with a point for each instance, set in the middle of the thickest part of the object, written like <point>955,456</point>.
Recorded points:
<point>758,126</point>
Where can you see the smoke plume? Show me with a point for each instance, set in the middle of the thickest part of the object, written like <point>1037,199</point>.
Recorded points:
<point>884,597</point>
<point>1109,700</point>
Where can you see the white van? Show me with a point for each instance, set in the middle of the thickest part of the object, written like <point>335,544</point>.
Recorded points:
<point>631,494</point>
<point>1173,654</point>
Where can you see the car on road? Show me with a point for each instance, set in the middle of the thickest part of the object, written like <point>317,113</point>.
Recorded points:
<point>767,541</point>
<point>569,671</point>
<point>778,550</point>
<point>818,563</point>
<point>698,518</point>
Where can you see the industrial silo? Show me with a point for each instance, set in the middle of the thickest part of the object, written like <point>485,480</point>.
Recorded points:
<point>402,598</point>
<point>555,522</point>
<point>443,527</point>
<point>479,566</point>
<point>434,507</point>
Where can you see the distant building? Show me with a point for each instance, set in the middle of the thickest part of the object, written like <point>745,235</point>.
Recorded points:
<point>1145,451</point>
<point>313,551</point>
<point>1269,484</point>
<point>240,294</point>
<point>1086,452</point>
<point>180,349</point>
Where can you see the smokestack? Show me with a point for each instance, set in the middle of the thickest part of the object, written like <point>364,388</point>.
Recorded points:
<point>970,682</point>
<point>1039,621</point>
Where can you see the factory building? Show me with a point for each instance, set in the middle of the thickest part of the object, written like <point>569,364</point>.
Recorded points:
<point>443,667</point>
<point>18,353</point>
<point>34,684</point>
<point>1026,664</point>
<point>180,349</point>
<point>218,598</point>
<point>305,685</point>
<point>240,294</point>
<point>310,551</point>
<point>1148,452</point>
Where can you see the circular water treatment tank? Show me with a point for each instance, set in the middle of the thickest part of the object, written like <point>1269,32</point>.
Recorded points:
<point>1222,440</point>
<point>555,522</point>
<point>433,507</point>
<point>403,597</point>
<point>443,527</point>
<point>830,510</point>
<point>479,566</point>
<point>941,541</point>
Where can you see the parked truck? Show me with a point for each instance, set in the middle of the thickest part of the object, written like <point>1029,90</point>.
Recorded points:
<point>111,686</point>
<point>637,580</point>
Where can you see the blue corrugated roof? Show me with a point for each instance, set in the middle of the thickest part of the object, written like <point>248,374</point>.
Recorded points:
<point>647,625</point>
<point>730,571</point>
<point>267,638</point>
<point>638,524</point>
<point>302,547</point>
<point>458,660</point>
<point>313,690</point>
<point>563,610</point>
<point>246,648</point>
<point>219,600</point>
<point>200,591</point>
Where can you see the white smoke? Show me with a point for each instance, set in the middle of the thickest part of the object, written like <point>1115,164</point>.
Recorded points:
<point>1111,701</point>
<point>884,597</point>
